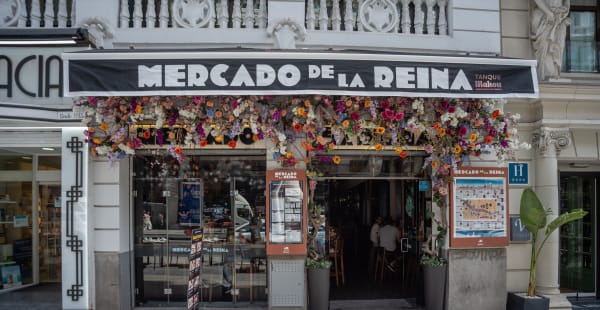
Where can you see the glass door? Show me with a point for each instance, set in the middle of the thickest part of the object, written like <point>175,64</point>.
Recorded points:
<point>578,238</point>
<point>223,195</point>
<point>49,211</point>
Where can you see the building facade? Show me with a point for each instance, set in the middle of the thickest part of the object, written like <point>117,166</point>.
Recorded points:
<point>126,229</point>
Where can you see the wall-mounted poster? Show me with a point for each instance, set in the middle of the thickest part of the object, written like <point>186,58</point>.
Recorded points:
<point>11,276</point>
<point>189,211</point>
<point>195,269</point>
<point>479,208</point>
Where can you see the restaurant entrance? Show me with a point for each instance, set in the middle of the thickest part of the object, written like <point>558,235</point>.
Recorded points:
<point>353,203</point>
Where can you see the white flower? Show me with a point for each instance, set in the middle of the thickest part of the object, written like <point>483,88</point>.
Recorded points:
<point>126,149</point>
<point>102,150</point>
<point>281,136</point>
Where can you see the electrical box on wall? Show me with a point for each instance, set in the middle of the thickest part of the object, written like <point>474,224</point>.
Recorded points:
<point>286,212</point>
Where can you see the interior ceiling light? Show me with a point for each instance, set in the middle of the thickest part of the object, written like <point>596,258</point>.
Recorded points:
<point>48,148</point>
<point>579,165</point>
<point>26,157</point>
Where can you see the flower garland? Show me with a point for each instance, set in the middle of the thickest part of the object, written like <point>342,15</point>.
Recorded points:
<point>449,130</point>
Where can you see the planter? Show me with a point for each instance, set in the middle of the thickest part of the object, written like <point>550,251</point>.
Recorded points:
<point>318,289</point>
<point>435,287</point>
<point>520,301</point>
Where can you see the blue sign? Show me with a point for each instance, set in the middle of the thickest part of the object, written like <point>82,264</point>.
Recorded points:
<point>518,173</point>
<point>423,186</point>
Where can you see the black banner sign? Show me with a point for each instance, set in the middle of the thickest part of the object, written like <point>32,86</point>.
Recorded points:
<point>286,73</point>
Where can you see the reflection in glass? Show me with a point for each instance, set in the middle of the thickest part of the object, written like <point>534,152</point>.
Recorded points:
<point>222,194</point>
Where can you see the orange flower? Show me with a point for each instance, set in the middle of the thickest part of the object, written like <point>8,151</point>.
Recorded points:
<point>488,139</point>
<point>177,150</point>
<point>97,141</point>
<point>473,137</point>
<point>403,154</point>
<point>457,149</point>
<point>171,135</point>
<point>232,144</point>
<point>380,130</point>
<point>283,113</point>
<point>254,138</point>
<point>436,126</point>
<point>507,135</point>
<point>495,114</point>
<point>209,104</point>
<point>320,140</point>
<point>307,146</point>
<point>231,118</point>
<point>203,142</point>
<point>219,139</point>
<point>300,111</point>
<point>336,159</point>
<point>147,134</point>
<point>218,114</point>
<point>307,103</point>
<point>434,164</point>
<point>331,146</point>
<point>288,155</point>
<point>398,150</point>
<point>478,123</point>
<point>138,109</point>
<point>123,108</point>
<point>378,147</point>
<point>306,160</point>
<point>348,103</point>
<point>442,132</point>
<point>104,126</point>
<point>346,123</point>
<point>367,103</point>
<point>91,129</point>
<point>298,127</point>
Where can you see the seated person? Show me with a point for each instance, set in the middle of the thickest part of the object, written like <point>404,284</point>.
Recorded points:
<point>389,237</point>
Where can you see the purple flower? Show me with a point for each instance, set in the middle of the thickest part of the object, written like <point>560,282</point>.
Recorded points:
<point>135,143</point>
<point>160,137</point>
<point>132,104</point>
<point>276,115</point>
<point>504,143</point>
<point>92,100</point>
<point>462,131</point>
<point>451,109</point>
<point>355,116</point>
<point>340,106</point>
<point>200,131</point>
<point>173,118</point>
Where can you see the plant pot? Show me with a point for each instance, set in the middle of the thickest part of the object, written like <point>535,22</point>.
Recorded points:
<point>318,289</point>
<point>520,301</point>
<point>435,287</point>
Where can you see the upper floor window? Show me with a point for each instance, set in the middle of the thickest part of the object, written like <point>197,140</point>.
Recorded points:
<point>581,48</point>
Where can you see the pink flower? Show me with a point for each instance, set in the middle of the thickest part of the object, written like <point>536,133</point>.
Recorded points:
<point>462,131</point>
<point>399,116</point>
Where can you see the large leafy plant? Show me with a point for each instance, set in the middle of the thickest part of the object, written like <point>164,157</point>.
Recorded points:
<point>535,218</point>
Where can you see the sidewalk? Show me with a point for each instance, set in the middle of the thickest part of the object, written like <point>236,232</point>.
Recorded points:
<point>47,297</point>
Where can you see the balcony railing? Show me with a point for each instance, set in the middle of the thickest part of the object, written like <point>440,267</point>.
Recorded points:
<point>193,14</point>
<point>37,13</point>
<point>394,16</point>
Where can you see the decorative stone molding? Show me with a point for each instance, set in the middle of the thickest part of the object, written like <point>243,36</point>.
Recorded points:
<point>378,15</point>
<point>10,11</point>
<point>99,29</point>
<point>545,137</point>
<point>549,22</point>
<point>285,32</point>
<point>193,13</point>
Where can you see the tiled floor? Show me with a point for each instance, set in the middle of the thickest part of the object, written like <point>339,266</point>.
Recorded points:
<point>585,303</point>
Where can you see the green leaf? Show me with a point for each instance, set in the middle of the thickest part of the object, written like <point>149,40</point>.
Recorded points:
<point>565,218</point>
<point>532,213</point>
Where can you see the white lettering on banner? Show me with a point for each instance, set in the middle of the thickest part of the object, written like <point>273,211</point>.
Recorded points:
<point>265,75</point>
<point>327,71</point>
<point>197,75</point>
<point>285,175</point>
<point>407,76</point>
<point>242,76</point>
<point>356,82</point>
<point>289,75</point>
<point>175,75</point>
<point>150,76</point>
<point>216,74</point>
<point>313,71</point>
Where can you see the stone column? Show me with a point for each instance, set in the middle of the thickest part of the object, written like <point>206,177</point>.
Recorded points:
<point>549,142</point>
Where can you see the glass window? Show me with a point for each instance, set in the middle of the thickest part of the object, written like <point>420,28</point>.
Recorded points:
<point>581,48</point>
<point>223,195</point>
<point>49,163</point>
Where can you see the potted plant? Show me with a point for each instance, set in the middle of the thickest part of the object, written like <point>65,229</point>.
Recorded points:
<point>535,218</point>
<point>317,264</point>
<point>433,262</point>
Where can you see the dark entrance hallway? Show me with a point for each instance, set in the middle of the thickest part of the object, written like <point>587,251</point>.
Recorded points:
<point>352,207</point>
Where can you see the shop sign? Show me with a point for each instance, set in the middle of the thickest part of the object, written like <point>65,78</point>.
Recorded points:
<point>518,173</point>
<point>32,75</point>
<point>282,73</point>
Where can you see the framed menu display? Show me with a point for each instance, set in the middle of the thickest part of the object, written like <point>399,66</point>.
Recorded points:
<point>479,208</point>
<point>286,220</point>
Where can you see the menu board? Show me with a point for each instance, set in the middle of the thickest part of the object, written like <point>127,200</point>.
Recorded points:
<point>194,291</point>
<point>286,211</point>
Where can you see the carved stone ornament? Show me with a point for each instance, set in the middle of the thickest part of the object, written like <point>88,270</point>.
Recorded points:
<point>378,15</point>
<point>193,13</point>
<point>546,137</point>
<point>99,29</point>
<point>10,10</point>
<point>285,32</point>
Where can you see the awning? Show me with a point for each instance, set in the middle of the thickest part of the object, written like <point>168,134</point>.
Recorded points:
<point>277,72</point>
